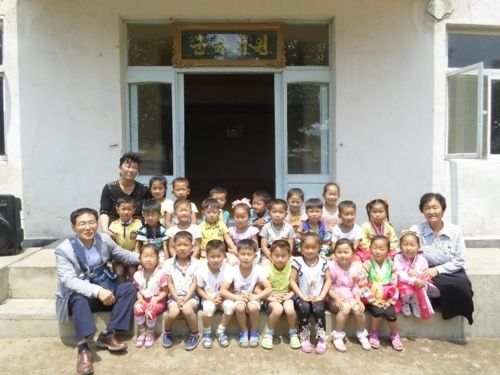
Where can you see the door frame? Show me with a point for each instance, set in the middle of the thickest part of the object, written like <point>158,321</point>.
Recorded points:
<point>175,77</point>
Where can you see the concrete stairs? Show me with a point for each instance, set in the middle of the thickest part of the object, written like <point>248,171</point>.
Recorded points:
<point>28,283</point>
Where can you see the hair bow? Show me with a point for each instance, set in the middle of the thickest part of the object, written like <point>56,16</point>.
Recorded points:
<point>241,201</point>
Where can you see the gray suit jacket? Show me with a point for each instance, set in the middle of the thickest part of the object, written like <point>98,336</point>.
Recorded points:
<point>73,280</point>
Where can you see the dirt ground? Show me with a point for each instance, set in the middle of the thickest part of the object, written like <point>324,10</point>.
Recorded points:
<point>421,356</point>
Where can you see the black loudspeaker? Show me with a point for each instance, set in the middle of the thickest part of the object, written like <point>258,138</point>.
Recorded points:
<point>11,233</point>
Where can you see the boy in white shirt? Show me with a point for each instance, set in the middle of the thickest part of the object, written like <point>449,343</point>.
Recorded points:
<point>243,278</point>
<point>183,212</point>
<point>347,227</point>
<point>209,278</point>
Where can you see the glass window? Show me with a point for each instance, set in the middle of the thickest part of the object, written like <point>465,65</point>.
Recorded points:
<point>151,127</point>
<point>306,45</point>
<point>308,128</point>
<point>462,106</point>
<point>495,117</point>
<point>150,45</point>
<point>468,49</point>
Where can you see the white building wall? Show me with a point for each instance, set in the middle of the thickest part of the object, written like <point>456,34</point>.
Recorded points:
<point>469,185</point>
<point>71,71</point>
<point>11,179</point>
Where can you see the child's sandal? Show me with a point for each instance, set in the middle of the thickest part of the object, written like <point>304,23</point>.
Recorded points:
<point>243,341</point>
<point>396,343</point>
<point>254,339</point>
<point>373,339</point>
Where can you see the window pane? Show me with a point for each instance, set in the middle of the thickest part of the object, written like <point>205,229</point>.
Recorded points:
<point>465,50</point>
<point>150,45</point>
<point>2,129</point>
<point>306,45</point>
<point>308,128</point>
<point>151,117</point>
<point>462,107</point>
<point>1,42</point>
<point>495,117</point>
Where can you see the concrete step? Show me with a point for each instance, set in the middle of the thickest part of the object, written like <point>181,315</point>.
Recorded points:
<point>34,276</point>
<point>36,318</point>
<point>5,262</point>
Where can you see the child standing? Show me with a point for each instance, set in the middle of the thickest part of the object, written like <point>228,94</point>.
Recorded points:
<point>124,234</point>
<point>411,283</point>
<point>380,291</point>
<point>182,210</point>
<point>280,299</point>
<point>259,214</point>
<point>220,194</point>
<point>214,229</point>
<point>296,215</point>
<point>378,225</point>
<point>347,228</point>
<point>181,271</point>
<point>276,229</point>
<point>209,278</point>
<point>330,214</point>
<point>152,291</point>
<point>152,231</point>
<point>243,279</point>
<point>310,282</point>
<point>180,190</point>
<point>314,207</point>
<point>158,189</point>
<point>241,229</point>
<point>345,296</point>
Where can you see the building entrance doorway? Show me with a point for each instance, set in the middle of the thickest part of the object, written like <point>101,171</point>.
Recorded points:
<point>229,134</point>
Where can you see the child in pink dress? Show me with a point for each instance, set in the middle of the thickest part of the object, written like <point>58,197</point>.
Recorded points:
<point>412,284</point>
<point>151,283</point>
<point>344,295</point>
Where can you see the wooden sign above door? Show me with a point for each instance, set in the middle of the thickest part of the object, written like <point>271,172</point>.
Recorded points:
<point>222,44</point>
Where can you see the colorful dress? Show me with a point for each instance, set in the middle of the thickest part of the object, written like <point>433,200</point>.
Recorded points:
<point>368,230</point>
<point>381,282</point>
<point>346,283</point>
<point>150,288</point>
<point>406,283</point>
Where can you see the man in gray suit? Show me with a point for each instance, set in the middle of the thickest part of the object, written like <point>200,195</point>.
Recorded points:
<point>78,297</point>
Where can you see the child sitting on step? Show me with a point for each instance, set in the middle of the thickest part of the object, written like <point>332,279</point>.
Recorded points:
<point>152,291</point>
<point>310,282</point>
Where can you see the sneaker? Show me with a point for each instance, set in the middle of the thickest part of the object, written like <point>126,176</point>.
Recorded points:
<point>243,340</point>
<point>167,339</point>
<point>305,344</point>
<point>373,339</point>
<point>222,338</point>
<point>416,309</point>
<point>253,340</point>
<point>150,340</point>
<point>267,341</point>
<point>321,346</point>
<point>139,342</point>
<point>294,341</point>
<point>192,342</point>
<point>206,341</point>
<point>405,309</point>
